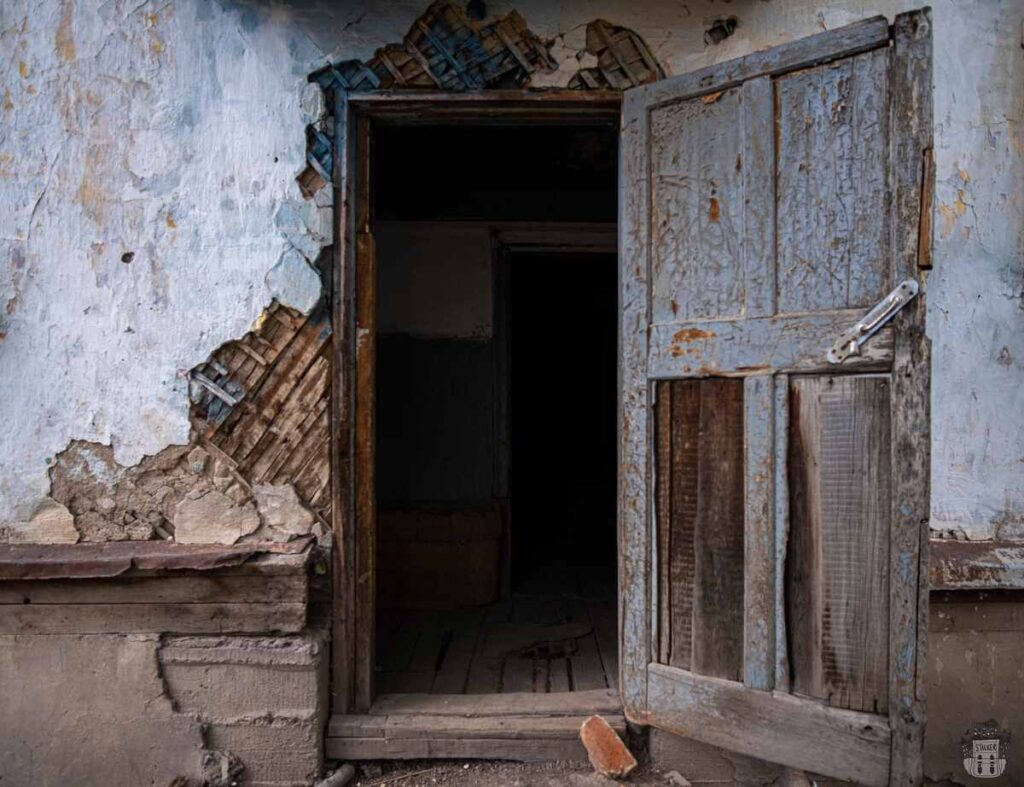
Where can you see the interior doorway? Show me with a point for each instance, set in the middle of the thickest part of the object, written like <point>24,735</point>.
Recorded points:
<point>495,462</point>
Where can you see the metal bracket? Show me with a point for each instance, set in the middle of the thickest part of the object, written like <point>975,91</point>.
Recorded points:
<point>852,340</point>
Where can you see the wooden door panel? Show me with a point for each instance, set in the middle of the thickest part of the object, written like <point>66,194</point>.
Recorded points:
<point>767,498</point>
<point>697,209</point>
<point>790,343</point>
<point>699,483</point>
<point>837,569</point>
<point>833,131</point>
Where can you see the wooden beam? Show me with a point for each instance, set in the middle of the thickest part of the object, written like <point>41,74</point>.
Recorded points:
<point>911,117</point>
<point>527,736</point>
<point>773,726</point>
<point>575,703</point>
<point>509,727</point>
<point>635,395</point>
<point>824,47</point>
<point>157,618</point>
<point>364,418</point>
<point>784,343</point>
<point>523,750</point>
<point>192,588</point>
<point>342,509</point>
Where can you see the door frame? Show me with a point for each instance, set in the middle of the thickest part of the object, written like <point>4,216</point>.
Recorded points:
<point>353,307</point>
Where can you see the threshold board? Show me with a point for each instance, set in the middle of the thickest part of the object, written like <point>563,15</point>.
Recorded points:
<point>526,727</point>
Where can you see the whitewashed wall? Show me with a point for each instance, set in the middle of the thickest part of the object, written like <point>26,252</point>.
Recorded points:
<point>173,130</point>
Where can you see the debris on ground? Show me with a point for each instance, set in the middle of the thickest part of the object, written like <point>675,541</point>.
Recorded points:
<point>605,749</point>
<point>494,773</point>
<point>340,777</point>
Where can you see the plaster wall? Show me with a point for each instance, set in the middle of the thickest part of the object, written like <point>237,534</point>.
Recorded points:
<point>91,709</point>
<point>168,135</point>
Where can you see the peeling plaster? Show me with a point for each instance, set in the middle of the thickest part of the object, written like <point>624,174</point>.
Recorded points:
<point>169,134</point>
<point>175,132</point>
<point>294,282</point>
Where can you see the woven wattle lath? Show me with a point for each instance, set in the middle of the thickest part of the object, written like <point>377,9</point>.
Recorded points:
<point>446,51</point>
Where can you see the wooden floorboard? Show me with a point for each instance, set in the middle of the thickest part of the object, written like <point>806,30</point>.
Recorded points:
<point>574,703</point>
<point>557,642</point>
<point>512,681</point>
<point>529,737</point>
<point>522,750</point>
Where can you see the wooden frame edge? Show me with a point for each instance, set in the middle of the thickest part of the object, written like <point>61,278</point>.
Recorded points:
<point>353,606</point>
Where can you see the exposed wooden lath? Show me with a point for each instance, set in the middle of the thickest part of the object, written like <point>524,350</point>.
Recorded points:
<point>445,50</point>
<point>623,59</point>
<point>261,402</point>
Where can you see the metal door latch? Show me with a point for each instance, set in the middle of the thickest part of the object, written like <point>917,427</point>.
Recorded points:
<point>852,340</point>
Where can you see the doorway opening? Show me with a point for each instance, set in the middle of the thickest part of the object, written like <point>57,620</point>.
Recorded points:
<point>495,409</point>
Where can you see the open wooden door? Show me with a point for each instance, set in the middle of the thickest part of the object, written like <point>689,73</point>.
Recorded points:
<point>773,504</point>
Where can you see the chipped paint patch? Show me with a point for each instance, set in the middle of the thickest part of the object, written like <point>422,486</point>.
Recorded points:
<point>65,34</point>
<point>691,335</point>
<point>951,213</point>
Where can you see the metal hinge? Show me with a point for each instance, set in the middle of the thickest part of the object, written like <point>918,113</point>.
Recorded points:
<point>852,340</point>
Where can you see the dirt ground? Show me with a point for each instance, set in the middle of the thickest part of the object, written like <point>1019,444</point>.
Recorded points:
<point>458,773</point>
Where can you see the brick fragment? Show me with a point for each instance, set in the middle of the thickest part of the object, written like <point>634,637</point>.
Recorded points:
<point>607,753</point>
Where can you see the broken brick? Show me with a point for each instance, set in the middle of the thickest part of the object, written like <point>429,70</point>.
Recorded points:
<point>605,749</point>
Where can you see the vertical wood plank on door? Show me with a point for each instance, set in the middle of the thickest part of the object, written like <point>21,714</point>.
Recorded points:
<point>700,483</point>
<point>634,403</point>
<point>685,439</point>
<point>781,500</point>
<point>855,518</point>
<point>663,512</point>
<point>803,569</point>
<point>757,165</point>
<point>697,209</point>
<point>833,134</point>
<point>718,600</point>
<point>911,424</point>
<point>759,535</point>
<point>839,615</point>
